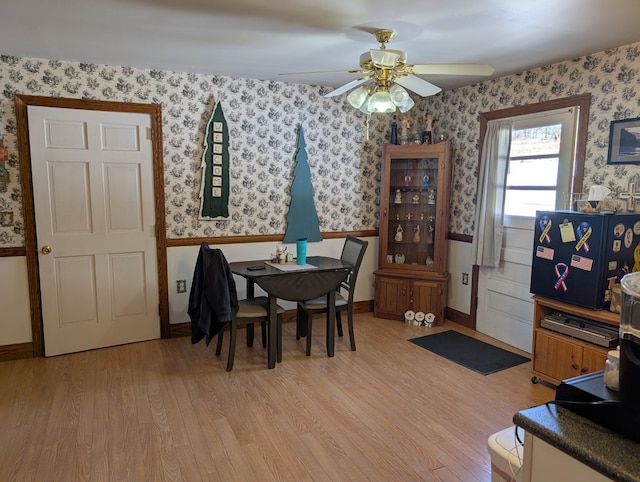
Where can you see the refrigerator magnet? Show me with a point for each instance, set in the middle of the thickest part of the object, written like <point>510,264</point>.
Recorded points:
<point>617,244</point>
<point>566,232</point>
<point>628,238</point>
<point>580,262</point>
<point>583,231</point>
<point>544,253</point>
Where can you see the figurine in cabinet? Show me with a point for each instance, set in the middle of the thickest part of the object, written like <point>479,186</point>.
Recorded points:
<point>431,197</point>
<point>415,199</point>
<point>398,199</point>
<point>430,229</point>
<point>398,236</point>
<point>416,234</point>
<point>425,181</point>
<point>407,180</point>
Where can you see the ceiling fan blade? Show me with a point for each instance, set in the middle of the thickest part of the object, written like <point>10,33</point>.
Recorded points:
<point>319,72</point>
<point>348,86</point>
<point>418,85</point>
<point>452,69</point>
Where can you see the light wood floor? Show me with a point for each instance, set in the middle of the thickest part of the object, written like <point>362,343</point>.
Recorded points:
<point>167,410</point>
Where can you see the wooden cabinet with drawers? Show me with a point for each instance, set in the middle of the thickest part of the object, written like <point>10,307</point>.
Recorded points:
<point>557,356</point>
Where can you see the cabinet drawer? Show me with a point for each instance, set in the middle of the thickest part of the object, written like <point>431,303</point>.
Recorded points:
<point>556,357</point>
<point>593,360</point>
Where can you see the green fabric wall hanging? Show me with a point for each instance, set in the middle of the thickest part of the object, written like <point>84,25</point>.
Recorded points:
<point>214,189</point>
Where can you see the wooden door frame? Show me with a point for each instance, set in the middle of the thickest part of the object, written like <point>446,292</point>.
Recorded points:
<point>583,102</point>
<point>22,102</point>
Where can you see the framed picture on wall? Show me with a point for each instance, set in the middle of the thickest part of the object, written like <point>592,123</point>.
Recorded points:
<point>624,142</point>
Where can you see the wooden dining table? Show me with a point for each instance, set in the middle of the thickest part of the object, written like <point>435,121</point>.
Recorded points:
<point>320,276</point>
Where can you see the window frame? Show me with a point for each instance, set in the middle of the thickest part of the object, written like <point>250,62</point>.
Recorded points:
<point>581,102</point>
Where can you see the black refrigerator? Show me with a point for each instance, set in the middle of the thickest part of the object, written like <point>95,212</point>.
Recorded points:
<point>579,257</point>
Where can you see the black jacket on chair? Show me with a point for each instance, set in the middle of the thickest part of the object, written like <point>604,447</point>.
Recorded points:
<point>213,301</point>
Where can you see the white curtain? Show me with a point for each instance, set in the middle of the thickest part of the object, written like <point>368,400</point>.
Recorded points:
<point>487,235</point>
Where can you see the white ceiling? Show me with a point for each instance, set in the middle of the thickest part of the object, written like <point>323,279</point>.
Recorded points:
<point>263,38</point>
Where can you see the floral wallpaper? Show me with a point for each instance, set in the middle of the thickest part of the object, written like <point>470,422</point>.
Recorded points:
<point>263,117</point>
<point>613,79</point>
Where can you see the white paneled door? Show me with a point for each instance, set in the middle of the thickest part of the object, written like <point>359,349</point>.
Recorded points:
<point>95,227</point>
<point>505,308</point>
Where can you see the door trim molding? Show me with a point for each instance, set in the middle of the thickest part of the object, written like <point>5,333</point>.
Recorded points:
<point>22,102</point>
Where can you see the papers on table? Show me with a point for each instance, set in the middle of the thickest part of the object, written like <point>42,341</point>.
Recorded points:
<point>291,266</point>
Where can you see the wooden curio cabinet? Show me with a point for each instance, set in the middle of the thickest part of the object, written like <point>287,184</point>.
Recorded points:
<point>414,219</point>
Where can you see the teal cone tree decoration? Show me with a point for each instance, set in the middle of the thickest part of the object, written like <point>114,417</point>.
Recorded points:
<point>302,218</point>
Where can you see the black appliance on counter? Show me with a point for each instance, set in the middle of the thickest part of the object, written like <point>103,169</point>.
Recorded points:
<point>589,397</point>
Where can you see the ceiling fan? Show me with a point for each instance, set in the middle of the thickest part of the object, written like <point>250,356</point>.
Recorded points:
<point>386,76</point>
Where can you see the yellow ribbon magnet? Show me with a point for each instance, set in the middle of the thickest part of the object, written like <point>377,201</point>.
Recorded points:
<point>583,231</point>
<point>636,258</point>
<point>545,224</point>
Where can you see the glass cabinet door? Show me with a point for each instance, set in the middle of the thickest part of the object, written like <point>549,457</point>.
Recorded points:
<point>413,200</point>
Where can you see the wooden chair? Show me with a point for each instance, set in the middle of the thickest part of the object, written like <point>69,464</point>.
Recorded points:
<point>251,311</point>
<point>352,253</point>
<point>214,304</point>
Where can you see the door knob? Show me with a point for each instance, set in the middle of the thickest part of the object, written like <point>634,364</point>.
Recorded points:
<point>46,249</point>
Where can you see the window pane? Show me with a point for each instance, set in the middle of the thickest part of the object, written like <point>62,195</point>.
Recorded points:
<point>533,172</point>
<point>536,140</point>
<point>526,203</point>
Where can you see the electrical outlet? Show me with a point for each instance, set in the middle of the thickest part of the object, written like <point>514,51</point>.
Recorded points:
<point>465,278</point>
<point>181,286</point>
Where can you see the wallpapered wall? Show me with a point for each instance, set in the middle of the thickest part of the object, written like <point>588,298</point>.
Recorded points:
<point>262,117</point>
<point>345,166</point>
<point>613,79</point>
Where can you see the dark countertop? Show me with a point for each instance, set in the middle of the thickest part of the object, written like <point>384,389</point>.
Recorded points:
<point>601,449</point>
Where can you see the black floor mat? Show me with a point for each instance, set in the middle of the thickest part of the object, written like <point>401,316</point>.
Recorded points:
<point>474,354</point>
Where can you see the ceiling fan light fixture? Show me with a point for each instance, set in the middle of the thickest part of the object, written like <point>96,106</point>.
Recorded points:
<point>384,58</point>
<point>380,103</point>
<point>398,94</point>
<point>358,96</point>
<point>406,105</point>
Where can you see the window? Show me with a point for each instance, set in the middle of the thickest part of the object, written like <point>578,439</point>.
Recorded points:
<point>570,164</point>
<point>541,162</point>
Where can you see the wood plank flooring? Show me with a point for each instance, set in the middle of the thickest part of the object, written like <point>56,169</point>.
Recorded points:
<point>167,410</point>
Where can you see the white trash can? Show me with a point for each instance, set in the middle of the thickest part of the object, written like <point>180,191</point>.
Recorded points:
<point>506,455</point>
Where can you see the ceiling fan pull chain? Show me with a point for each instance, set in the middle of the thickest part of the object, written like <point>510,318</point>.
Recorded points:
<point>367,121</point>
